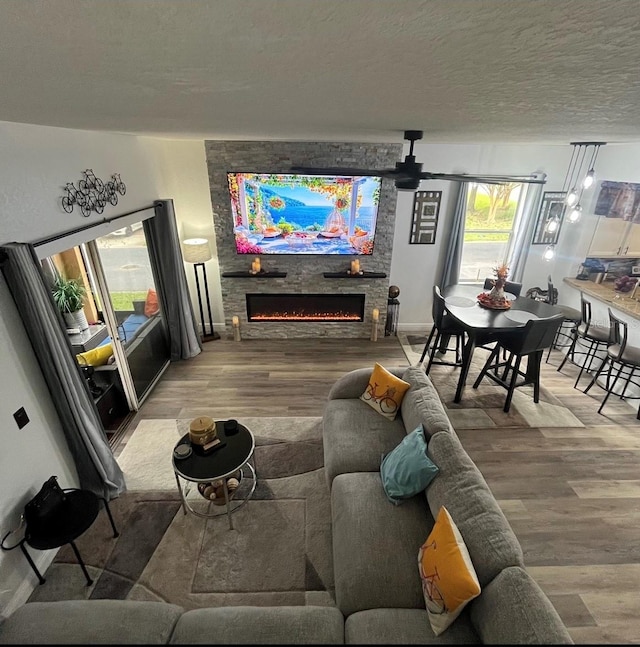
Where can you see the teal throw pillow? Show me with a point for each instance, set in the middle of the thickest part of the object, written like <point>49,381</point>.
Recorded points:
<point>407,470</point>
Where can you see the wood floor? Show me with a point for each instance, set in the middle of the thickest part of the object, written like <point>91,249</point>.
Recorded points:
<point>572,495</point>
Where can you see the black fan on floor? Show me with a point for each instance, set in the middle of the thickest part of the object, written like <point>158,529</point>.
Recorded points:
<point>408,173</point>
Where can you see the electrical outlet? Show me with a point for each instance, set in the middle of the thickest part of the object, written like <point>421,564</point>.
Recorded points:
<point>21,417</point>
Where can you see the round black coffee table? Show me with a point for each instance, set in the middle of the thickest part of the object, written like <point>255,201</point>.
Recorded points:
<point>233,455</point>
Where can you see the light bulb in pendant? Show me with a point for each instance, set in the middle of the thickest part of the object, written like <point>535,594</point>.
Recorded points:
<point>575,213</point>
<point>589,179</point>
<point>552,226</point>
<point>549,253</point>
<point>572,197</point>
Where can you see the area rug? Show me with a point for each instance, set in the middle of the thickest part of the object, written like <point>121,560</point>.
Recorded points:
<point>483,407</point>
<point>278,553</point>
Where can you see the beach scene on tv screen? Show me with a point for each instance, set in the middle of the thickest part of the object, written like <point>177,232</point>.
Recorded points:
<point>303,214</point>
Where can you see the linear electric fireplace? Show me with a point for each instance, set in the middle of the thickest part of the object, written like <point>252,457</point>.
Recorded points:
<point>305,307</point>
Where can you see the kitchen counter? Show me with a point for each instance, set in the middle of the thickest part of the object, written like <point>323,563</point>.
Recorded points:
<point>605,292</point>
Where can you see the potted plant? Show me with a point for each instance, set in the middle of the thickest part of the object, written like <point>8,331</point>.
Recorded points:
<point>69,295</point>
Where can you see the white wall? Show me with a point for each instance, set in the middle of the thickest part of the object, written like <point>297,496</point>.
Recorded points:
<point>186,180</point>
<point>414,266</point>
<point>35,164</point>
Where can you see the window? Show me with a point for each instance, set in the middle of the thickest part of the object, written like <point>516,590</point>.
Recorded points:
<point>493,214</point>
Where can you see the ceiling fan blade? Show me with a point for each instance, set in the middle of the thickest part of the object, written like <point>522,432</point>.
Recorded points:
<point>482,179</point>
<point>340,170</point>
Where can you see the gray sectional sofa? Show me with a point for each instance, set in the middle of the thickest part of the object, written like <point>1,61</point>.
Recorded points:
<point>376,544</point>
<point>375,547</point>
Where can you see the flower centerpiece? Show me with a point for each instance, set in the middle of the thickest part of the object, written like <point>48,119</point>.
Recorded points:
<point>496,298</point>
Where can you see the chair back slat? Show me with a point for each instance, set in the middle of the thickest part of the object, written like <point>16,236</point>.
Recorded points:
<point>585,308</point>
<point>618,331</point>
<point>538,334</point>
<point>552,295</point>
<point>438,308</point>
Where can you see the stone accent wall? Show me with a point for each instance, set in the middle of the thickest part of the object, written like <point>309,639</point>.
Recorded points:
<point>304,272</point>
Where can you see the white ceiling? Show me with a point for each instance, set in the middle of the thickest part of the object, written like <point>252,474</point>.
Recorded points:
<point>461,70</point>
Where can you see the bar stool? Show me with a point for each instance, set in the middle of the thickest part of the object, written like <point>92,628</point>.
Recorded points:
<point>619,356</point>
<point>596,336</point>
<point>572,318</point>
<point>443,327</point>
<point>528,342</point>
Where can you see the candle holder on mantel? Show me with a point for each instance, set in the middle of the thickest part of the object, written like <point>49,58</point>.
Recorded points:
<point>355,268</point>
<point>255,266</point>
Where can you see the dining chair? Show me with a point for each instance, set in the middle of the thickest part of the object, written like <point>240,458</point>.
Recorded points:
<point>529,342</point>
<point>620,357</point>
<point>597,338</point>
<point>510,286</point>
<point>572,318</point>
<point>443,327</point>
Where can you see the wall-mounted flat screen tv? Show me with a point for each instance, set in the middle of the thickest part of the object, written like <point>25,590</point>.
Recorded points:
<point>303,214</point>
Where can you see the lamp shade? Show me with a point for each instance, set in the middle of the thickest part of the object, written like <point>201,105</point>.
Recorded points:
<point>196,250</point>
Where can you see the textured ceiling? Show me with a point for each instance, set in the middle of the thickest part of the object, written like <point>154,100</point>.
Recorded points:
<point>461,70</point>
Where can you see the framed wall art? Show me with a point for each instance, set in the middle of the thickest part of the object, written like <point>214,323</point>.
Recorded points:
<point>619,200</point>
<point>424,223</point>
<point>552,207</point>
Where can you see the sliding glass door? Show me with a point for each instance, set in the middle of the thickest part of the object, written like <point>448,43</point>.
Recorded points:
<point>123,272</point>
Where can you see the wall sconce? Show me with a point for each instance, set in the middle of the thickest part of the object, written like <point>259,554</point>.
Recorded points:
<point>581,175</point>
<point>198,252</point>
<point>549,252</point>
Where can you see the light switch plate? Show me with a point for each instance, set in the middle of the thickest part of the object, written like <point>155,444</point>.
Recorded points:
<point>635,270</point>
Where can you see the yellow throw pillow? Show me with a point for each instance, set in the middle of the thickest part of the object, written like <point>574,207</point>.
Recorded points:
<point>385,392</point>
<point>95,357</point>
<point>449,580</point>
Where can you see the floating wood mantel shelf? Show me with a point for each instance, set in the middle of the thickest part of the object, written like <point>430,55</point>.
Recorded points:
<point>360,275</point>
<point>262,274</point>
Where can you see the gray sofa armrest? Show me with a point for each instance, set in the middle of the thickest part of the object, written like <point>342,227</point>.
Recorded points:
<point>353,384</point>
<point>87,622</point>
<point>513,610</point>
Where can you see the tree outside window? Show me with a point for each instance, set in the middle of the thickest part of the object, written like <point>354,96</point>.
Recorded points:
<point>491,219</point>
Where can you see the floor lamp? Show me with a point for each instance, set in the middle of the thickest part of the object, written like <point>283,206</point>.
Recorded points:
<point>198,252</point>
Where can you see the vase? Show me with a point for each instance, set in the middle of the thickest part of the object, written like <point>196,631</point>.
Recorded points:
<point>76,320</point>
<point>497,293</point>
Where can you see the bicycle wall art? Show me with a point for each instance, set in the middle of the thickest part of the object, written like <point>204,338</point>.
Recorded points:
<point>92,194</point>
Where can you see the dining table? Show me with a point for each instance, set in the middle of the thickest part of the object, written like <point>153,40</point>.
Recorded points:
<point>484,325</point>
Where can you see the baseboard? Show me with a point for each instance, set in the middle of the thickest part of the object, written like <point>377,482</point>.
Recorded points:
<point>415,327</point>
<point>28,585</point>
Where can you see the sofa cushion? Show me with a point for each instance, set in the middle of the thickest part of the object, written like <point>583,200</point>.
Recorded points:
<point>384,392</point>
<point>151,306</point>
<point>115,622</point>
<point>355,437</point>
<point>422,404</point>
<point>260,626</point>
<point>405,627</point>
<point>407,470</point>
<point>353,383</point>
<point>462,490</point>
<point>514,610</point>
<point>449,581</point>
<point>375,545</point>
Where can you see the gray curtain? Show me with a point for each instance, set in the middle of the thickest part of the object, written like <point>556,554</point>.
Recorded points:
<point>524,234</point>
<point>451,267</point>
<point>97,468</point>
<point>163,243</point>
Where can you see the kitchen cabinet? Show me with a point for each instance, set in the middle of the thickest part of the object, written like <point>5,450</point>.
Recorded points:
<point>615,237</point>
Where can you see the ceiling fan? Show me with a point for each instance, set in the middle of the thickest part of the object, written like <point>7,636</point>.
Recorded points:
<point>408,173</point>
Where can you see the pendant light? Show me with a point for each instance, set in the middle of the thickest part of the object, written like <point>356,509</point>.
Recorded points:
<point>581,175</point>
<point>549,252</point>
